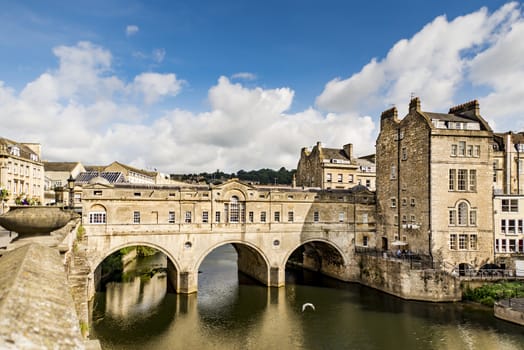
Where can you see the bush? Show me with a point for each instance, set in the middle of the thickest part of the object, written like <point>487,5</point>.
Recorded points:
<point>488,294</point>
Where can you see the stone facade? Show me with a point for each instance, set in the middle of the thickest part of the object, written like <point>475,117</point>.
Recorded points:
<point>434,184</point>
<point>331,168</point>
<point>21,171</point>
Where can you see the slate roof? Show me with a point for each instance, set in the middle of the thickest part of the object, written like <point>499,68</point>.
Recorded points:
<point>334,153</point>
<point>60,166</point>
<point>25,152</point>
<point>111,176</point>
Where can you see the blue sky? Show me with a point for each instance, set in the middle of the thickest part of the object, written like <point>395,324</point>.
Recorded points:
<point>203,85</point>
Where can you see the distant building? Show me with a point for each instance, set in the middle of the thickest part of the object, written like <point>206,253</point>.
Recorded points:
<point>434,184</point>
<point>131,174</point>
<point>508,200</point>
<point>56,176</point>
<point>21,171</point>
<point>332,168</point>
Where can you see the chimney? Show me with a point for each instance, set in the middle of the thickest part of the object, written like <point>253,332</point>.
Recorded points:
<point>414,104</point>
<point>348,149</point>
<point>470,109</point>
<point>389,114</point>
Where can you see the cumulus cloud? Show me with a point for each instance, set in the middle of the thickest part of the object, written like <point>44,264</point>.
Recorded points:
<point>131,30</point>
<point>438,61</point>
<point>154,86</point>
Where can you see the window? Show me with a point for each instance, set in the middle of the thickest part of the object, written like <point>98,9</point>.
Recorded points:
<point>339,178</point>
<point>519,226</point>
<point>462,179</point>
<point>263,216</point>
<point>341,217</point>
<point>473,242</point>
<point>364,218</point>
<point>15,151</point>
<point>365,241</point>
<point>205,216</point>
<point>393,202</point>
<point>497,248</point>
<point>452,217</point>
<point>350,178</point>
<point>511,226</point>
<point>368,183</point>
<point>393,173</point>
<point>395,220</point>
<point>404,219</point>
<point>453,242</point>
<point>97,217</point>
<point>463,241</point>
<point>473,218</point>
<point>404,202</point>
<point>290,216</point>
<point>234,210</point>
<point>462,213</point>
<point>503,227</point>
<point>404,153</point>
<point>473,180</point>
<point>217,217</point>
<point>316,216</point>
<point>452,175</point>
<point>328,177</point>
<point>512,245</point>
<point>470,150</point>
<point>251,216</point>
<point>171,217</point>
<point>187,217</point>
<point>412,202</point>
<point>277,216</point>
<point>503,245</point>
<point>412,219</point>
<point>453,150</point>
<point>97,193</point>
<point>510,205</point>
<point>136,217</point>
<point>476,151</point>
<point>462,148</point>
<point>495,171</point>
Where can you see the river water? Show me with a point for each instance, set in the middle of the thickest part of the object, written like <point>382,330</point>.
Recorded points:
<point>231,311</point>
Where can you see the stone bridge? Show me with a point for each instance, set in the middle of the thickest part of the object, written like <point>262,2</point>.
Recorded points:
<point>266,225</point>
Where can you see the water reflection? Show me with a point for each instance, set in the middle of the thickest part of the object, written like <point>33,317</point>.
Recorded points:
<point>233,312</point>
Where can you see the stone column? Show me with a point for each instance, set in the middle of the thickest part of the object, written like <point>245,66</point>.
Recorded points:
<point>277,276</point>
<point>187,282</point>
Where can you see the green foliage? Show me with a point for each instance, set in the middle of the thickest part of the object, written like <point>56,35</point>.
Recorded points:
<point>80,232</point>
<point>488,294</point>
<point>84,328</point>
<point>261,176</point>
<point>145,251</point>
<point>4,194</point>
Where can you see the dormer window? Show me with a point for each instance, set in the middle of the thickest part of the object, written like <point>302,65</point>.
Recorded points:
<point>33,157</point>
<point>15,151</point>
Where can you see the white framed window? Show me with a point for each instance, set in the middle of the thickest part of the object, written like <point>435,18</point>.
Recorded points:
<point>290,216</point>
<point>171,217</point>
<point>339,178</point>
<point>463,241</point>
<point>473,242</point>
<point>97,217</point>
<point>453,150</point>
<point>262,216</point>
<point>187,218</point>
<point>136,217</point>
<point>476,151</point>
<point>462,213</point>
<point>217,217</point>
<point>316,216</point>
<point>393,202</point>
<point>393,172</point>
<point>510,205</point>
<point>341,217</point>
<point>234,213</point>
<point>452,175</point>
<point>462,179</point>
<point>473,218</point>
<point>251,216</point>
<point>453,242</point>
<point>462,148</point>
<point>329,177</point>
<point>205,216</point>
<point>473,180</point>
<point>350,178</point>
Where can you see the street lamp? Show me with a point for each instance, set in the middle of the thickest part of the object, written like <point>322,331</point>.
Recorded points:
<point>71,187</point>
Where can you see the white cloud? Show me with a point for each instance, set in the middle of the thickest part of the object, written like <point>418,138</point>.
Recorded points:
<point>159,55</point>
<point>82,111</point>
<point>434,63</point>
<point>131,30</point>
<point>155,86</point>
<point>244,76</point>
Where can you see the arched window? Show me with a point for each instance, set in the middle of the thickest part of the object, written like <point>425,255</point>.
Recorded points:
<point>463,213</point>
<point>235,210</point>
<point>97,215</point>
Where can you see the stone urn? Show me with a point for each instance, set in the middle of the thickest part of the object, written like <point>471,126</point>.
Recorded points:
<point>36,220</point>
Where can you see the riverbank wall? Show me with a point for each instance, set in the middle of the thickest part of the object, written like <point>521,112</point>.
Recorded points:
<point>396,277</point>
<point>511,310</point>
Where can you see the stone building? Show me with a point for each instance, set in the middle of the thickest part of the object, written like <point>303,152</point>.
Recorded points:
<point>434,184</point>
<point>508,200</point>
<point>21,171</point>
<point>56,176</point>
<point>332,168</point>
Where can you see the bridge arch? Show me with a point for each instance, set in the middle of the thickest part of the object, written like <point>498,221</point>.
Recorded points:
<point>251,260</point>
<point>173,266</point>
<point>322,255</point>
